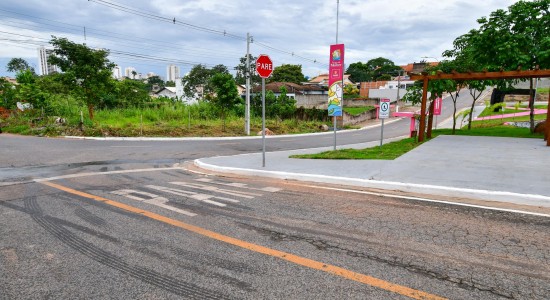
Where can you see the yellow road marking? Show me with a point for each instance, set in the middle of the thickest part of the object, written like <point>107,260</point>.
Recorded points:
<point>306,262</point>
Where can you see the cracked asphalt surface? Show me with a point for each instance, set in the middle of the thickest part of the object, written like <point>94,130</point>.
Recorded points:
<point>58,245</point>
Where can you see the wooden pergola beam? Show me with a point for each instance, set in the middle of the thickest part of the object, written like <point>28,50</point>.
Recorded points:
<point>477,76</point>
<point>485,75</point>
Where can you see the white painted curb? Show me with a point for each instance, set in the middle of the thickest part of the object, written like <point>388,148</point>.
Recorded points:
<point>487,195</point>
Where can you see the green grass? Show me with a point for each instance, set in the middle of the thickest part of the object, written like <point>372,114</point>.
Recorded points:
<point>543,90</point>
<point>496,131</point>
<point>355,111</point>
<point>388,151</point>
<point>164,121</point>
<point>500,122</point>
<point>393,150</point>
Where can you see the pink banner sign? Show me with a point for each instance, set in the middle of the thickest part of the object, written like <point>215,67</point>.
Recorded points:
<point>335,80</point>
<point>438,103</point>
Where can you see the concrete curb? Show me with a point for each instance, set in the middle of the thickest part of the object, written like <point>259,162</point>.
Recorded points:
<point>486,195</point>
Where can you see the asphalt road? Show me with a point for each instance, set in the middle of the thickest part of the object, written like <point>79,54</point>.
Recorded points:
<point>170,233</point>
<point>134,220</point>
<point>29,156</point>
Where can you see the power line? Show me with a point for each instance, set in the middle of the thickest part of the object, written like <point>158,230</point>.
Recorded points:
<point>116,53</point>
<point>289,53</point>
<point>196,27</point>
<point>92,31</point>
<point>166,19</point>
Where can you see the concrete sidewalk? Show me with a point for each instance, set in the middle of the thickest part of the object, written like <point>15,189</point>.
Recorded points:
<point>511,170</point>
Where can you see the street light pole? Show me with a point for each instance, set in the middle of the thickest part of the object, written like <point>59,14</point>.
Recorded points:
<point>334,117</point>
<point>398,87</point>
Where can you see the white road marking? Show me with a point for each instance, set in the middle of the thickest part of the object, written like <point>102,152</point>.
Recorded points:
<point>239,185</point>
<point>432,200</point>
<point>131,146</point>
<point>106,173</point>
<point>200,197</point>
<point>151,199</point>
<point>217,190</point>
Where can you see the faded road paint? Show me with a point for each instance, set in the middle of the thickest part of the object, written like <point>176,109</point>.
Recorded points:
<point>306,262</point>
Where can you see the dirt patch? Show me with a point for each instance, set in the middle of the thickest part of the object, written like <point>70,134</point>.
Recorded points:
<point>4,112</point>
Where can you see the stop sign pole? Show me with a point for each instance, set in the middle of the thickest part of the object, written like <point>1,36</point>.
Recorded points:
<point>264,67</point>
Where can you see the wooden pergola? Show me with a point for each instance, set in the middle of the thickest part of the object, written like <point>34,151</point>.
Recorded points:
<point>477,76</point>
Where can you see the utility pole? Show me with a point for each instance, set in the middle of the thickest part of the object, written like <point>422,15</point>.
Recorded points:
<point>247,74</point>
<point>398,87</point>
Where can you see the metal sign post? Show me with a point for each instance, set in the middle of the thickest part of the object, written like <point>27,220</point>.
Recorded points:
<point>383,113</point>
<point>264,67</point>
<point>263,122</point>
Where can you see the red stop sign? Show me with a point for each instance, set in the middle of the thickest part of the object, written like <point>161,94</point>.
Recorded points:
<point>264,66</point>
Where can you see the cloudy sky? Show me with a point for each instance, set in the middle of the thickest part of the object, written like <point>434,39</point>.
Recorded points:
<point>142,33</point>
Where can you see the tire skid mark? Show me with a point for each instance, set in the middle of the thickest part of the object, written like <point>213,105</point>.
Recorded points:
<point>217,261</point>
<point>173,285</point>
<point>89,217</point>
<point>192,265</point>
<point>298,260</point>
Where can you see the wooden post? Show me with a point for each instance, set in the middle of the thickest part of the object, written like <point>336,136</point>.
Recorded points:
<point>430,119</point>
<point>548,122</point>
<point>422,125</point>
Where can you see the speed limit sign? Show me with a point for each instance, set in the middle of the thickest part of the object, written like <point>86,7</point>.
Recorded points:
<point>384,112</point>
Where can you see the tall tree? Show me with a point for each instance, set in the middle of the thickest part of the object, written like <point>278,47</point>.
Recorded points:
<point>509,39</point>
<point>86,70</point>
<point>226,92</point>
<point>380,66</point>
<point>288,73</point>
<point>155,80</point>
<point>240,76</point>
<point>7,93</point>
<point>196,82</point>
<point>359,72</point>
<point>219,69</point>
<point>18,65</point>
<point>452,87</point>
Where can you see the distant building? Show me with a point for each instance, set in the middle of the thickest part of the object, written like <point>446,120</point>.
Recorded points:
<point>172,73</point>
<point>419,67</point>
<point>151,74</point>
<point>45,68</point>
<point>117,72</point>
<point>168,92</point>
<point>292,89</point>
<point>322,80</point>
<point>130,72</point>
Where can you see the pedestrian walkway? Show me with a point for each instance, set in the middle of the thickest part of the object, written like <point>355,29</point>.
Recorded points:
<point>517,114</point>
<point>509,170</point>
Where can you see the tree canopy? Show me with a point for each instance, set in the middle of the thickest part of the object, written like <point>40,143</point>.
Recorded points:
<point>374,69</point>
<point>17,65</point>
<point>198,80</point>
<point>507,39</point>
<point>86,70</point>
<point>226,92</point>
<point>288,73</point>
<point>240,76</point>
